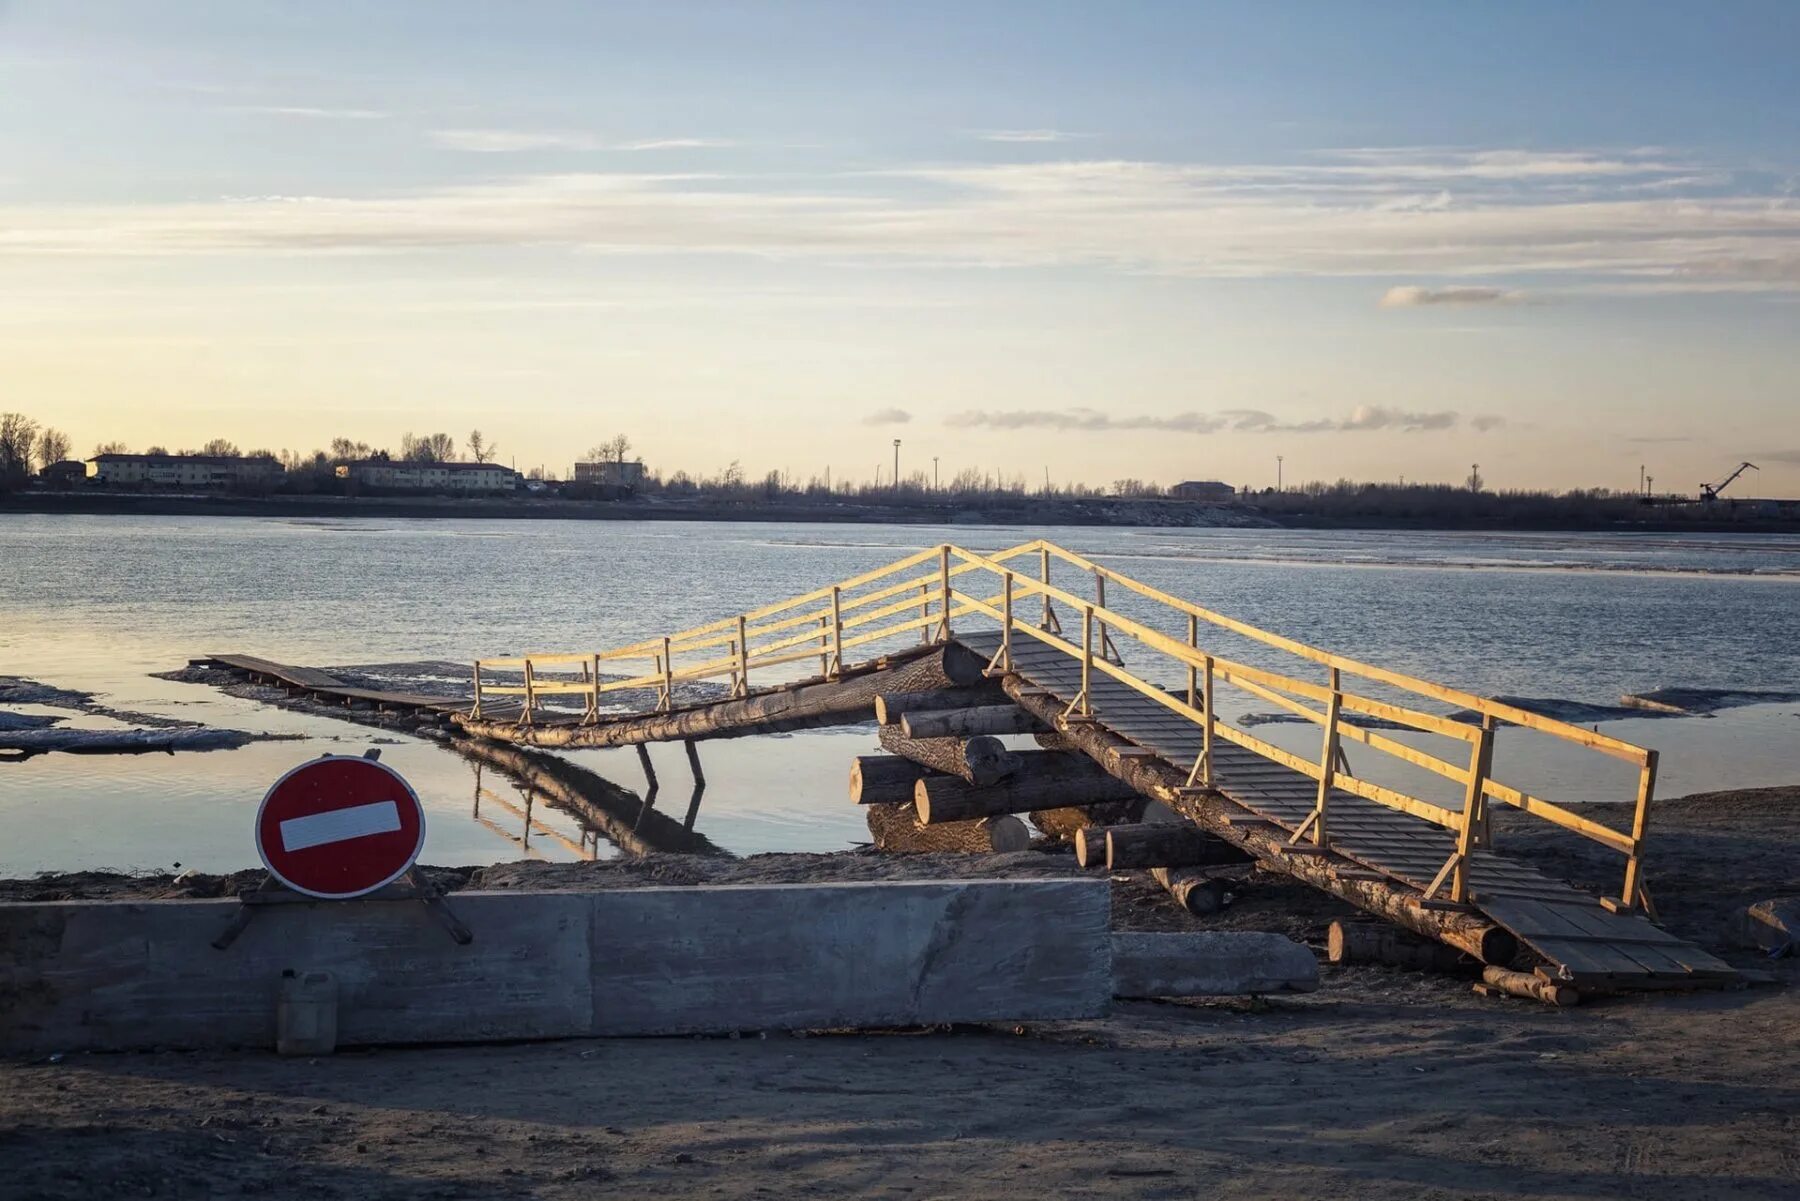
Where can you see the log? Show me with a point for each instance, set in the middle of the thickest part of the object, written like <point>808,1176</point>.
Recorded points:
<point>1365,942</point>
<point>840,702</point>
<point>1054,740</point>
<point>963,723</point>
<point>891,705</point>
<point>1090,846</point>
<point>884,779</point>
<point>1194,888</point>
<point>1045,780</point>
<point>1066,822</point>
<point>1526,985</point>
<point>897,828</point>
<point>1472,932</point>
<point>1210,964</point>
<point>980,760</point>
<point>1165,844</point>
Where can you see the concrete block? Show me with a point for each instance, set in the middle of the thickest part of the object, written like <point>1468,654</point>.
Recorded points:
<point>1210,964</point>
<point>122,975</point>
<point>825,956</point>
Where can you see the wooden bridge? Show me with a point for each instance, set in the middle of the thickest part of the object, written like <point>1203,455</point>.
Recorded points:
<point>1142,686</point>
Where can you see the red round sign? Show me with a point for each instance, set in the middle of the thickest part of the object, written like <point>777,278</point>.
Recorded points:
<point>339,826</point>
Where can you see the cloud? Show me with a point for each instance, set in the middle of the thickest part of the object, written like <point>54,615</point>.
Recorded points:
<point>1415,296</point>
<point>1779,456</point>
<point>1245,421</point>
<point>319,114</point>
<point>888,417</point>
<point>1566,221</point>
<point>1487,421</point>
<point>1658,439</point>
<point>514,141</point>
<point>1025,135</point>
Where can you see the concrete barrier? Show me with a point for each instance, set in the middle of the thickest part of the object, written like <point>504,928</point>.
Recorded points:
<point>1221,963</point>
<point>119,975</point>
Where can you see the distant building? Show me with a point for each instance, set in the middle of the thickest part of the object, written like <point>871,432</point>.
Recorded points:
<point>1212,490</point>
<point>391,475</point>
<point>611,473</point>
<point>70,473</point>
<point>183,471</point>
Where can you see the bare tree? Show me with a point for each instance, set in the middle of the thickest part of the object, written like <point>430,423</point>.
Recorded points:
<point>1475,482</point>
<point>430,448</point>
<point>111,448</point>
<point>343,450</point>
<point>154,450</point>
<point>52,447</point>
<point>18,437</point>
<point>613,450</point>
<point>480,449</point>
<point>224,448</point>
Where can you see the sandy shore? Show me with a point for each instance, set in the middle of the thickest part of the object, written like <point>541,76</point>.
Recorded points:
<point>1384,1084</point>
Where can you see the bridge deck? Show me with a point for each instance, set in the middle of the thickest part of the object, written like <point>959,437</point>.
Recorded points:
<point>324,686</point>
<point>1593,946</point>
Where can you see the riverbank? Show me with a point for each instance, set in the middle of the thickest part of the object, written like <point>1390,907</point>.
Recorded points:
<point>1167,514</point>
<point>1383,1084</point>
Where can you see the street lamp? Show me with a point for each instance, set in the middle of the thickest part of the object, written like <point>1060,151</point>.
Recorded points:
<point>896,464</point>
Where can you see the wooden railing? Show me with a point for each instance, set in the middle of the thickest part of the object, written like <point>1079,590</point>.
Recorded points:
<point>926,595</point>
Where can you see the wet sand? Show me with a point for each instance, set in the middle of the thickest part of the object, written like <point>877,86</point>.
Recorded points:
<point>1383,1084</point>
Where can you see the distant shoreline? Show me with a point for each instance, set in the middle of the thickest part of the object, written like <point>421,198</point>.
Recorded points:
<point>1098,513</point>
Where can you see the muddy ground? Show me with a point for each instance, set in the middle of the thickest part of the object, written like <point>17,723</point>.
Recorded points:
<point>1383,1084</point>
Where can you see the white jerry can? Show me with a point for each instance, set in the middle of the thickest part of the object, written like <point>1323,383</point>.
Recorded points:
<point>306,1013</point>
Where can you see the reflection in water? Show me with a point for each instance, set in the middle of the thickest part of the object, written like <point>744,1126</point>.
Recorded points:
<point>603,809</point>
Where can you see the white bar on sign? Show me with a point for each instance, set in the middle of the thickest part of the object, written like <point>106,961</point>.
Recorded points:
<point>339,825</point>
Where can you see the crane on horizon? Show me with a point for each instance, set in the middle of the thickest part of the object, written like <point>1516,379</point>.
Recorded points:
<point>1710,492</point>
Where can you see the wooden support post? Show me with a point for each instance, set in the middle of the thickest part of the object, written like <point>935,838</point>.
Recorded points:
<point>643,754</point>
<point>590,675</point>
<point>1327,765</point>
<point>824,648</point>
<point>1108,650</point>
<point>1633,895</point>
<point>1049,623</point>
<point>743,657</point>
<point>475,711</point>
<point>1006,621</point>
<point>530,695</point>
<point>837,632</point>
<point>944,590</point>
<point>1206,733</point>
<point>924,613</point>
<point>668,696</point>
<point>1481,762</point>
<point>1087,661</point>
<point>1193,672</point>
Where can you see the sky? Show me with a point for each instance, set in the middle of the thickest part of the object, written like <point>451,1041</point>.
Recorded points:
<point>1078,241</point>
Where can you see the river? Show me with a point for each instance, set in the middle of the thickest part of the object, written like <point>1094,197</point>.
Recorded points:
<point>99,603</point>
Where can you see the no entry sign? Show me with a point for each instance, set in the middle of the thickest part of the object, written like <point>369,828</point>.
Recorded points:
<point>339,827</point>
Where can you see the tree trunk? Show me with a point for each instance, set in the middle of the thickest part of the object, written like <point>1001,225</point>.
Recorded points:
<point>805,706</point>
<point>1365,942</point>
<point>1045,780</point>
<point>980,760</point>
<point>1471,932</point>
<point>892,705</point>
<point>1164,844</point>
<point>884,779</point>
<point>964,723</point>
<point>1528,986</point>
<point>1193,888</point>
<point>897,828</point>
<point>1065,822</point>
